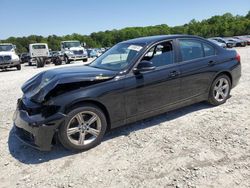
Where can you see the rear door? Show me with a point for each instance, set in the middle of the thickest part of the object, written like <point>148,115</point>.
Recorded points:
<point>197,59</point>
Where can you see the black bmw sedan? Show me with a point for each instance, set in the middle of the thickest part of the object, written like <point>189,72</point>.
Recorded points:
<point>133,80</point>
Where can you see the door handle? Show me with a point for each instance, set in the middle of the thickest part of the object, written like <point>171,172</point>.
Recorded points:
<point>211,63</point>
<point>174,74</point>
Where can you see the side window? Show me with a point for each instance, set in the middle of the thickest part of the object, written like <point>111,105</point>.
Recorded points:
<point>161,54</point>
<point>190,49</point>
<point>208,50</point>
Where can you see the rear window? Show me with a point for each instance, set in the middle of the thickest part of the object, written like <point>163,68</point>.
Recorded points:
<point>190,49</point>
<point>39,47</point>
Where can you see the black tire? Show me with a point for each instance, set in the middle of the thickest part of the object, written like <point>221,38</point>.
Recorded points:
<point>18,67</point>
<point>85,60</point>
<point>66,59</point>
<point>40,62</point>
<point>57,61</point>
<point>62,134</point>
<point>30,63</point>
<point>212,98</point>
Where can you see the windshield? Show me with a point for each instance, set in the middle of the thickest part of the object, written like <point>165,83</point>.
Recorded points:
<point>5,48</point>
<point>39,46</point>
<point>118,57</point>
<point>71,44</point>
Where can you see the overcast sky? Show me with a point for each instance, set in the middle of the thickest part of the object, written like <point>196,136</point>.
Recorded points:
<point>61,17</point>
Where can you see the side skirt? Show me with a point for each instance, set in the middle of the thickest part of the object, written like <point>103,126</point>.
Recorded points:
<point>165,109</point>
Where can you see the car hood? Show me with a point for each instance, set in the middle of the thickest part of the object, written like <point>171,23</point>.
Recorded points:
<point>76,48</point>
<point>41,84</point>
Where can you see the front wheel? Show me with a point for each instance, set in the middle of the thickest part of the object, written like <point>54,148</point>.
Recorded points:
<point>83,129</point>
<point>85,60</point>
<point>18,67</point>
<point>220,90</point>
<point>66,59</point>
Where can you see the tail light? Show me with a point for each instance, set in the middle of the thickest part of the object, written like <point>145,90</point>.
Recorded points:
<point>238,57</point>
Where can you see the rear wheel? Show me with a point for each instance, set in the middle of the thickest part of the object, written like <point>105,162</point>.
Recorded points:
<point>40,62</point>
<point>220,90</point>
<point>85,60</point>
<point>83,129</point>
<point>57,61</point>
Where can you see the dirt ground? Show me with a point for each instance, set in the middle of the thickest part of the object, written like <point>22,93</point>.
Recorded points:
<point>196,146</point>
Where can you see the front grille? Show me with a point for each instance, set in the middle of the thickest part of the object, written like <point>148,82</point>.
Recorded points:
<point>5,59</point>
<point>78,52</point>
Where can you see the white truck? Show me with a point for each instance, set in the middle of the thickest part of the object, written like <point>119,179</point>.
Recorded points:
<point>73,51</point>
<point>8,56</point>
<point>39,54</point>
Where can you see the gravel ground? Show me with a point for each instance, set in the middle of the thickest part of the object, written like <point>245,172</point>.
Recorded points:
<point>196,146</point>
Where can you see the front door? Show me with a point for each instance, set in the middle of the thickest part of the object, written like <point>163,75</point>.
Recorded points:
<point>153,90</point>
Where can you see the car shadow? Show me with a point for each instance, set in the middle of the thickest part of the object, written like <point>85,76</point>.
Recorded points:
<point>27,65</point>
<point>156,120</point>
<point>29,155</point>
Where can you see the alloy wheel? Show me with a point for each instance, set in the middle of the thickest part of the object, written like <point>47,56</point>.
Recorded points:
<point>221,89</point>
<point>83,128</point>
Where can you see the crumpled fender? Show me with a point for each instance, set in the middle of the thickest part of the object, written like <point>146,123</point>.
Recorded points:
<point>40,85</point>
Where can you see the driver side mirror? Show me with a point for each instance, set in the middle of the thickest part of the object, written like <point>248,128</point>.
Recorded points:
<point>144,66</point>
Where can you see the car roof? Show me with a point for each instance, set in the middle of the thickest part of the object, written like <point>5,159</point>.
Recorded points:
<point>152,39</point>
<point>39,44</point>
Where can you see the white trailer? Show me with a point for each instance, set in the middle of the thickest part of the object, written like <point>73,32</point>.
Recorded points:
<point>39,53</point>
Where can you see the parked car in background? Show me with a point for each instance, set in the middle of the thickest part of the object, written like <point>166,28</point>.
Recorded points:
<point>102,50</point>
<point>238,42</point>
<point>56,57</point>
<point>229,44</point>
<point>73,51</point>
<point>223,45</point>
<point>133,80</point>
<point>39,54</point>
<point>24,57</point>
<point>245,38</point>
<point>99,52</point>
<point>92,53</point>
<point>8,56</point>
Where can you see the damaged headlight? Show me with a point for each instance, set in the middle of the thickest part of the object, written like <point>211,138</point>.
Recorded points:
<point>47,111</point>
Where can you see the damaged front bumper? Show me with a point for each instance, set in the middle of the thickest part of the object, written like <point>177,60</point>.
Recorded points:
<point>35,129</point>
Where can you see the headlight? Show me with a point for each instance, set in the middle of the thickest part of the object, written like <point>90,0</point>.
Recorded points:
<point>15,58</point>
<point>69,52</point>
